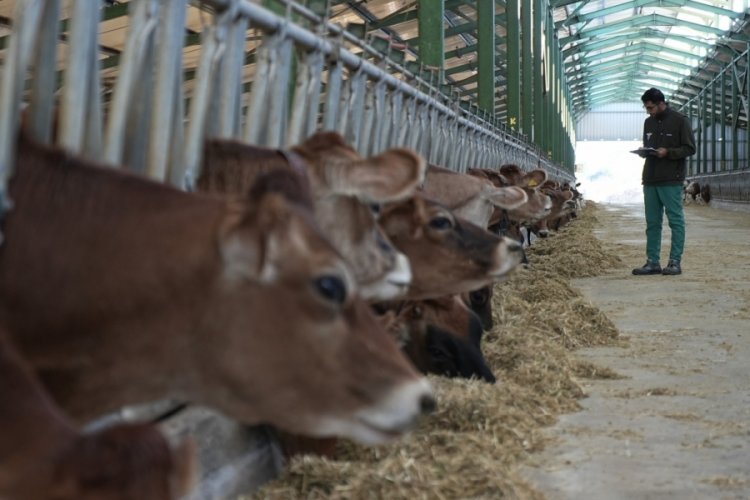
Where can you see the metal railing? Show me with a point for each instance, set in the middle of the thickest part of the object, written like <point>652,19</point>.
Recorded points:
<point>242,89</point>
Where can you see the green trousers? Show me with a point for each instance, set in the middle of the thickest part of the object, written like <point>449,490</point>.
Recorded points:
<point>657,201</point>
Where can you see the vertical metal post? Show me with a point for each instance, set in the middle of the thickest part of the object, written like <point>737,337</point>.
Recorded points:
<point>537,132</point>
<point>168,82</point>
<point>513,61</point>
<point>333,91</point>
<point>735,120</point>
<point>143,21</point>
<point>527,70</point>
<point>306,97</point>
<point>723,119</point>
<point>432,34</point>
<point>27,16</point>
<point>41,109</point>
<point>486,54</point>
<point>76,92</point>
<point>228,119</point>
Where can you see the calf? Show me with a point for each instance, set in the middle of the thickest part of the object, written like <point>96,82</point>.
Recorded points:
<point>43,456</point>
<point>706,193</point>
<point>691,191</point>
<point>120,291</point>
<point>448,255</point>
<point>432,344</point>
<point>344,188</point>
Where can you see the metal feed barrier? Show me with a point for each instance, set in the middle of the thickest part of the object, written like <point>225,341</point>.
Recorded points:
<point>239,88</point>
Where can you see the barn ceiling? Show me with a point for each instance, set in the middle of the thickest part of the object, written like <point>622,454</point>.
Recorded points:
<point>612,50</point>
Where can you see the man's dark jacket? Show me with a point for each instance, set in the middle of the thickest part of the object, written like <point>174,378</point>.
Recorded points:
<point>669,130</point>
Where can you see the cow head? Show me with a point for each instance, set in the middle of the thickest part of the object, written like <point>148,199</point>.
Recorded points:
<point>347,191</point>
<point>448,255</point>
<point>471,197</point>
<point>321,363</point>
<point>434,349</point>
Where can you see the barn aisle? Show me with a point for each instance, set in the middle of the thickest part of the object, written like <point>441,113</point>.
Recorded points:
<point>677,425</point>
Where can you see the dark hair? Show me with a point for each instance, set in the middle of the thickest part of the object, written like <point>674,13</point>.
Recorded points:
<point>654,95</point>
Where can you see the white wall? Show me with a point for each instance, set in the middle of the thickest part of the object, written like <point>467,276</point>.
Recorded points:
<point>608,172</point>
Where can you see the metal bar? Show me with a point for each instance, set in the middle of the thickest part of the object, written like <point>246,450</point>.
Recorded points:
<point>41,108</point>
<point>73,109</point>
<point>432,33</point>
<point>213,47</point>
<point>93,146</point>
<point>168,82</point>
<point>278,108</point>
<point>357,84</point>
<point>143,21</point>
<point>333,91</point>
<point>227,125</point>
<point>27,15</point>
<point>306,97</point>
<point>486,53</point>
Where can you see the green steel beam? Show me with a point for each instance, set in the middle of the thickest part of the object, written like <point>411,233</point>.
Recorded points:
<point>527,68</point>
<point>642,35</point>
<point>486,54</point>
<point>633,22</point>
<point>621,54</point>
<point>513,58</point>
<point>598,14</point>
<point>431,34</point>
<point>394,19</point>
<point>538,77</point>
<point>646,45</point>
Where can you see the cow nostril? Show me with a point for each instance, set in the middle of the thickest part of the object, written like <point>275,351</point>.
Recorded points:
<point>427,404</point>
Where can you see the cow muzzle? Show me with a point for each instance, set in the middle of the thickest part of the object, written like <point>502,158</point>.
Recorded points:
<point>508,255</point>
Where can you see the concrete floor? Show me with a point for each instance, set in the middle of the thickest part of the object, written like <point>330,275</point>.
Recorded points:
<point>678,425</point>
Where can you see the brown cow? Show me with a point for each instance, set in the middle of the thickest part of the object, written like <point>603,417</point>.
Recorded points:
<point>537,204</point>
<point>121,291</point>
<point>448,255</point>
<point>442,337</point>
<point>562,204</point>
<point>43,456</point>
<point>344,187</point>
<point>470,197</point>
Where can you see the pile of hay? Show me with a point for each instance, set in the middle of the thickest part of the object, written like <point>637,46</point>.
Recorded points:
<point>471,445</point>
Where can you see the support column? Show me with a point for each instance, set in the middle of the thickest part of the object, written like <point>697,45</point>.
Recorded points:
<point>432,34</point>
<point>513,73</point>
<point>538,129</point>
<point>527,65</point>
<point>486,54</point>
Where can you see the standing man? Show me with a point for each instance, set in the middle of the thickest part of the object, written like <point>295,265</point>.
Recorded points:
<point>671,137</point>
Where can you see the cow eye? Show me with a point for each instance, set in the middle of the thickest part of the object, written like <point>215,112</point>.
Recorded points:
<point>332,288</point>
<point>376,208</point>
<point>441,222</point>
<point>478,298</point>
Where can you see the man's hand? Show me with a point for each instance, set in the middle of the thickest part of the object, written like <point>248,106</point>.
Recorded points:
<point>661,152</point>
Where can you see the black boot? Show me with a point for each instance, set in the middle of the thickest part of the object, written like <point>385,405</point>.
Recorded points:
<point>673,268</point>
<point>650,267</point>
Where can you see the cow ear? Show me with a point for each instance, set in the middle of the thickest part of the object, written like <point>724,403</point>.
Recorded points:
<point>508,197</point>
<point>390,176</point>
<point>247,239</point>
<point>536,178</point>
